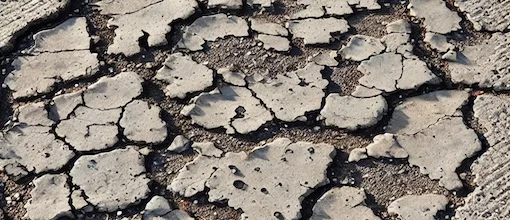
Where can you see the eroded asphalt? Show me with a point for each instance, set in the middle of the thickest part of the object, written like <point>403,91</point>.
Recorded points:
<point>257,109</point>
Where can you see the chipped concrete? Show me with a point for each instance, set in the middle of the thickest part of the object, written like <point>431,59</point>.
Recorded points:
<point>317,31</point>
<point>381,71</point>
<point>353,113</point>
<point>384,145</point>
<point>343,203</point>
<point>398,26</point>
<point>490,15</point>
<point>142,123</point>
<point>269,181</point>
<point>159,208</point>
<point>268,28</point>
<point>113,92</point>
<point>235,78</point>
<point>49,198</point>
<point>438,42</point>
<point>112,180</point>
<point>207,149</point>
<point>274,42</point>
<point>181,81</point>
<point>424,207</point>
<point>436,16</point>
<point>326,59</point>
<point>361,47</point>
<point>179,144</point>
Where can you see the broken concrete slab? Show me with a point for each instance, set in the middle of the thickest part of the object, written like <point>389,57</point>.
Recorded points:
<point>117,7</point>
<point>357,154</point>
<point>60,54</point>
<point>384,145</point>
<point>364,92</point>
<point>438,42</point>
<point>112,180</point>
<point>310,11</point>
<point>326,59</point>
<point>490,196</point>
<point>317,31</point>
<point>381,71</point>
<point>113,92</point>
<point>260,3</point>
<point>141,122</point>
<point>293,94</point>
<point>235,78</point>
<point>63,105</point>
<point>231,107</point>
<point>420,112</point>
<point>490,15</point>
<point>152,18</point>
<point>440,148</point>
<point>398,26</point>
<point>436,16</point>
<point>207,149</point>
<point>415,73</point>
<point>34,114</point>
<point>485,64</point>
<point>181,81</point>
<point>49,198</point>
<point>18,16</point>
<point>353,113</point>
<point>158,208</point>
<point>269,181</point>
<point>179,144</point>
<point>276,43</point>
<point>361,47</point>
<point>268,28</point>
<point>398,43</point>
<point>212,28</point>
<point>225,4</point>
<point>342,7</point>
<point>342,203</point>
<point>423,207</point>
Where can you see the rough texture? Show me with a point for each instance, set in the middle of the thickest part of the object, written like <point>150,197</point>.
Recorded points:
<point>269,181</point>
<point>423,207</point>
<point>132,19</point>
<point>59,55</point>
<point>490,15</point>
<point>142,123</point>
<point>342,203</point>
<point>492,169</point>
<point>50,198</point>
<point>361,47</point>
<point>353,113</point>
<point>485,64</point>
<point>112,180</point>
<point>436,16</point>
<point>231,107</point>
<point>317,31</point>
<point>17,16</point>
<point>293,94</point>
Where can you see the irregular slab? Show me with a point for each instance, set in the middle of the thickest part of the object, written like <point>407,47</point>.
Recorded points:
<point>269,181</point>
<point>490,197</point>
<point>364,92</point>
<point>436,16</point>
<point>116,7</point>
<point>310,11</point>
<point>353,113</point>
<point>260,3</point>
<point>485,64</point>
<point>268,28</point>
<point>342,7</point>
<point>64,105</point>
<point>212,28</point>
<point>326,59</point>
<point>317,31</point>
<point>416,73</point>
<point>386,145</point>
<point>112,180</point>
<point>179,144</point>
<point>342,203</point>
<point>277,43</point>
<point>225,4</point>
<point>293,94</point>
<point>34,114</point>
<point>440,149</point>
<point>136,18</point>
<point>231,107</point>
<point>438,42</point>
<point>490,15</point>
<point>233,77</point>
<point>141,122</point>
<point>207,149</point>
<point>357,154</point>
<point>381,71</point>
<point>420,112</point>
<point>398,26</point>
<point>423,207</point>
<point>18,16</point>
<point>59,55</point>
<point>361,47</point>
<point>49,198</point>
<point>159,208</point>
<point>113,92</point>
<point>184,76</point>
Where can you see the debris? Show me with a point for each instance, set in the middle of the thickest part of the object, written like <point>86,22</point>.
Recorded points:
<point>179,144</point>
<point>326,59</point>
<point>423,207</point>
<point>384,145</point>
<point>159,208</point>
<point>357,154</point>
<point>317,31</point>
<point>274,42</point>
<point>342,203</point>
<point>233,77</point>
<point>207,149</point>
<point>438,42</point>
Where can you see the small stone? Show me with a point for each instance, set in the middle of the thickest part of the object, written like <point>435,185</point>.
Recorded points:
<point>179,144</point>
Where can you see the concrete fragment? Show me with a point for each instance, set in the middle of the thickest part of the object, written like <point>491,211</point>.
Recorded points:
<point>440,149</point>
<point>225,4</point>
<point>179,144</point>
<point>116,7</point>
<point>231,107</point>
<point>34,114</point>
<point>64,105</point>
<point>260,3</point>
<point>59,55</point>
<point>436,16</point>
<point>268,28</point>
<point>364,92</point>
<point>485,64</point>
<point>50,198</point>
<point>398,26</point>
<point>326,59</point>
<point>112,180</point>
<point>342,203</point>
<point>142,123</point>
<point>135,18</point>
<point>269,181</point>
<point>274,42</point>
<point>78,201</point>
<point>113,92</point>
<point>331,7</point>
<point>309,12</point>
<point>353,113</point>
<point>420,112</point>
<point>381,71</point>
<point>424,207</point>
<point>451,56</point>
<point>233,77</point>
<point>438,42</point>
<point>317,31</point>
<point>357,154</point>
<point>361,47</point>
<point>416,73</point>
<point>385,145</point>
<point>159,208</point>
<point>207,149</point>
<point>293,94</point>
<point>17,16</point>
<point>398,43</point>
<point>490,15</point>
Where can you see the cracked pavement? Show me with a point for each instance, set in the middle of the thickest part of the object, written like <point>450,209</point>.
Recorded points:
<point>258,109</point>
